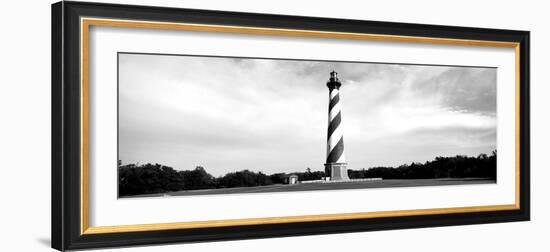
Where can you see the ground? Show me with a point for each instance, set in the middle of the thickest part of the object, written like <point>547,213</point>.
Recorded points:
<point>329,186</point>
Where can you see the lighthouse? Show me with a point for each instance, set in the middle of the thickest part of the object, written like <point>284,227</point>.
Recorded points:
<point>335,166</point>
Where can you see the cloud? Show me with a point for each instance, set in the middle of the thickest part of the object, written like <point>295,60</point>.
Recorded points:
<point>271,115</point>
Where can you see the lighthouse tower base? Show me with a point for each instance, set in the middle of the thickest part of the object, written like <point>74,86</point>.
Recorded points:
<point>337,171</point>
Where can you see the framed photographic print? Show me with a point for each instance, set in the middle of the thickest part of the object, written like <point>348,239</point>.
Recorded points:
<point>181,125</point>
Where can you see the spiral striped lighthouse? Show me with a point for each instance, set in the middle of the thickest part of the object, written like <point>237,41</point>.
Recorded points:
<point>335,166</point>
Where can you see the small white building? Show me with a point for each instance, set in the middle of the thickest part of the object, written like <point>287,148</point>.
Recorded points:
<point>293,179</point>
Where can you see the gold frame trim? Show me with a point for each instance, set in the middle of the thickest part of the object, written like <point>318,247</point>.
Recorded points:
<point>85,24</point>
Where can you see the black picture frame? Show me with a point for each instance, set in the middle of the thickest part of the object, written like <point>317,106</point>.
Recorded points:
<point>66,125</point>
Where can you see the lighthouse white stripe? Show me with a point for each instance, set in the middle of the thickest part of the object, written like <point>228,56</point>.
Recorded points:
<point>334,111</point>
<point>333,93</point>
<point>342,158</point>
<point>334,138</point>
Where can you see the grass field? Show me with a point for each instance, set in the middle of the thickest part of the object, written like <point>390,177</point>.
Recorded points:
<point>329,186</point>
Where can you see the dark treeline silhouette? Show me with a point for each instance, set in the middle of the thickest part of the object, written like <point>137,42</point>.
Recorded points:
<point>136,179</point>
<point>482,166</point>
<point>155,178</point>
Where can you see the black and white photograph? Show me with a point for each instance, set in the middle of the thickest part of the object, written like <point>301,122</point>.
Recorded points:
<point>272,126</point>
<point>254,127</point>
<point>199,125</point>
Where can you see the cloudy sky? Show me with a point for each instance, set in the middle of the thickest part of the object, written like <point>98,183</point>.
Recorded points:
<point>229,114</point>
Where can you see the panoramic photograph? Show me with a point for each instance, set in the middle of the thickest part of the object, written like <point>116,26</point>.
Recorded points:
<point>202,125</point>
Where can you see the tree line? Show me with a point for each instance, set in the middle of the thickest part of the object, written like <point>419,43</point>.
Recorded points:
<point>482,166</point>
<point>135,179</point>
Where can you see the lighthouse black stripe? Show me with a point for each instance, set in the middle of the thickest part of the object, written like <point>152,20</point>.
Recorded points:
<point>336,152</point>
<point>333,125</point>
<point>333,101</point>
